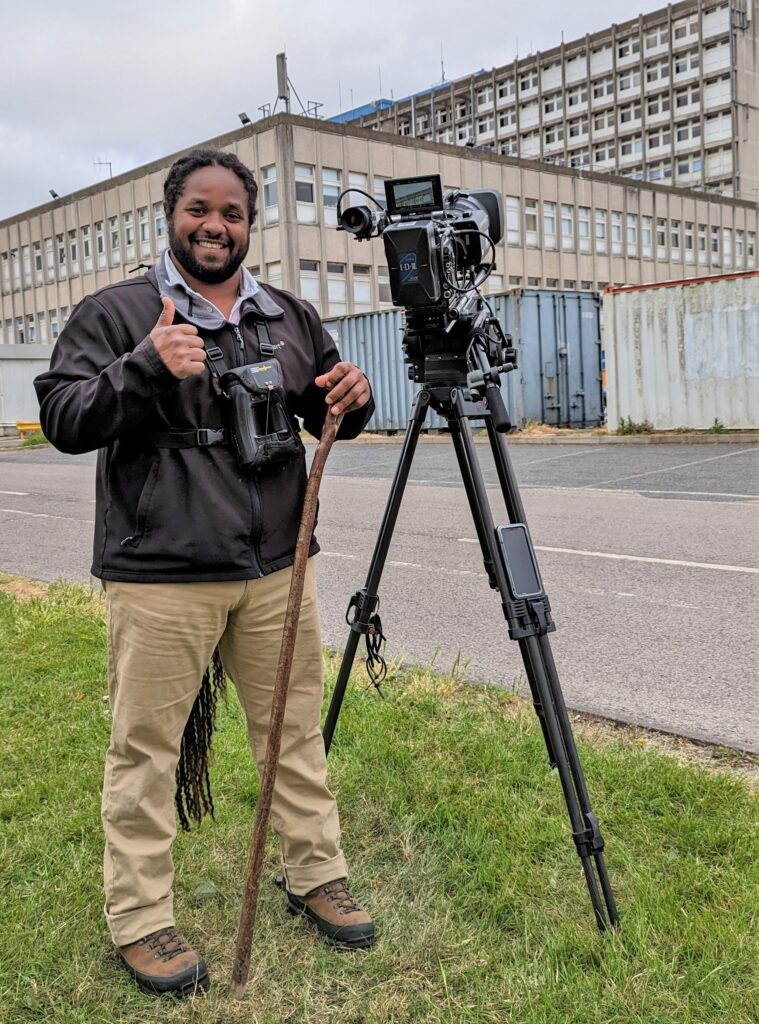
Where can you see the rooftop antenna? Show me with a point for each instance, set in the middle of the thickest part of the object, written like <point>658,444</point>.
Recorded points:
<point>442,65</point>
<point>104,163</point>
<point>379,73</point>
<point>285,86</point>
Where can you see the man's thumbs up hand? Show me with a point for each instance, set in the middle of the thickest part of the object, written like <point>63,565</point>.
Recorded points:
<point>178,345</point>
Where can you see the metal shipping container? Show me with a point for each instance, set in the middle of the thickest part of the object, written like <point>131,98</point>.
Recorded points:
<point>558,380</point>
<point>684,353</point>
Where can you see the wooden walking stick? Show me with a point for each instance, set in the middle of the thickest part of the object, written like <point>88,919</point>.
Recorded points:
<point>279,700</point>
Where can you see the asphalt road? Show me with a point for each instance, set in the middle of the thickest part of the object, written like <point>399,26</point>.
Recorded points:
<point>649,556</point>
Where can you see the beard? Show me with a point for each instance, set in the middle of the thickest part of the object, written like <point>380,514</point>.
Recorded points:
<point>209,275</point>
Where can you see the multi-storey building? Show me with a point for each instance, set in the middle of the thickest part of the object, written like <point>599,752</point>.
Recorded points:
<point>564,227</point>
<point>671,96</point>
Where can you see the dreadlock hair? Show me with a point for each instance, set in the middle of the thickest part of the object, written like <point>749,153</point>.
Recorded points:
<point>193,786</point>
<point>179,171</point>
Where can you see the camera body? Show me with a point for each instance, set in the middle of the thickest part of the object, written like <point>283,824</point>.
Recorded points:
<point>436,242</point>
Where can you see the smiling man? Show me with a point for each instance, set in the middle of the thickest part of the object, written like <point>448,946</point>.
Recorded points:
<point>195,554</point>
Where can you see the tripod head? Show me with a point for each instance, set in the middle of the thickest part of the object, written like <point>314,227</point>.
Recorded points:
<point>468,351</point>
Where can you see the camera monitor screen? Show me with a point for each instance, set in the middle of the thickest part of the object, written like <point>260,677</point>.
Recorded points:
<point>414,195</point>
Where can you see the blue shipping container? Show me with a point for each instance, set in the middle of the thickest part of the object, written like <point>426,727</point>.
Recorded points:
<point>558,340</point>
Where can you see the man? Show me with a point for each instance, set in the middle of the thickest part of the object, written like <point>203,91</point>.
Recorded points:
<point>194,552</point>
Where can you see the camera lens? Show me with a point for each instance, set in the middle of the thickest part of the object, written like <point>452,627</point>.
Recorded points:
<point>357,219</point>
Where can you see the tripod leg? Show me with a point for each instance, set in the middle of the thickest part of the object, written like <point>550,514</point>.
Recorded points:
<point>541,674</point>
<point>366,599</point>
<point>516,513</point>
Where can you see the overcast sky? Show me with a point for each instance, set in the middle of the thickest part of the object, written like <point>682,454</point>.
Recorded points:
<point>89,80</point>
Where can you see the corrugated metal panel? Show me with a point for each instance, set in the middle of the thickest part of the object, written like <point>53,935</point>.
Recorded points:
<point>19,365</point>
<point>557,335</point>
<point>685,353</point>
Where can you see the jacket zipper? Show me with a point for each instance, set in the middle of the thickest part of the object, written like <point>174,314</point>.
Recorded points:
<point>241,343</point>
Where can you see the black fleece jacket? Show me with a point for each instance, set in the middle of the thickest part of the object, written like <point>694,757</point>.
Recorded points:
<point>189,514</point>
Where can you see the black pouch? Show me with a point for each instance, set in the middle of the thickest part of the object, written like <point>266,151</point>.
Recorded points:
<point>258,421</point>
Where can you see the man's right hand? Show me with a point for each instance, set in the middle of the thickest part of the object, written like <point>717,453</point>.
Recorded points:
<point>178,345</point>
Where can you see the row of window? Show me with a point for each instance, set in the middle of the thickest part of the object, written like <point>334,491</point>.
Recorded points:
<point>583,229</point>
<point>331,186</point>
<point>111,242</point>
<point>35,328</point>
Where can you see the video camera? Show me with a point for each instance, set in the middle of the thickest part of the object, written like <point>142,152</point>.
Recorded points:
<point>440,249</point>
<point>438,244</point>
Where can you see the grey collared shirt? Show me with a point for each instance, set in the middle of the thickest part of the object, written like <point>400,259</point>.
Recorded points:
<point>248,288</point>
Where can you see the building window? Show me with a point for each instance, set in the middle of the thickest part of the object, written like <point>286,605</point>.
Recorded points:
<point>702,244</point>
<point>661,238</point>
<point>54,329</point>
<point>60,243</point>
<point>274,274</point>
<point>379,190</point>
<point>383,287</point>
<point>513,232</point>
<point>688,240</point>
<point>646,236</point>
<point>739,248</point>
<point>43,328</point>
<point>26,260</point>
<point>533,282</point>
<point>531,222</point>
<point>6,273</point>
<point>310,285</point>
<point>601,231</point>
<point>37,250</point>
<point>674,240</point>
<point>115,240</point>
<point>87,248</point>
<point>632,234</point>
<point>506,89</point>
<point>271,208</point>
<point>549,225</point>
<point>143,226</point>
<point>337,297</point>
<point>356,181</point>
<point>31,329</point>
<point>304,194</point>
<point>727,247</point>
<point>552,282</point>
<point>603,87</point>
<point>553,134</point>
<point>515,281</point>
<point>616,233</point>
<point>100,243</point>
<point>330,192</point>
<point>751,249</point>
<point>658,105</point>
<point>65,314</point>
<point>570,285</point>
<point>20,339</point>
<point>567,226</point>
<point>583,228</point>
<point>628,80</point>
<point>129,235</point>
<point>49,260</point>
<point>159,228</point>
<point>362,288</point>
<point>715,247</point>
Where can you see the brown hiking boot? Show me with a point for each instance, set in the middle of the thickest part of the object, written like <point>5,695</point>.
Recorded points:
<point>336,914</point>
<point>162,962</point>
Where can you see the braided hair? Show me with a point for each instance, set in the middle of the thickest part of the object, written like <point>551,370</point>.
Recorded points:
<point>193,785</point>
<point>182,168</point>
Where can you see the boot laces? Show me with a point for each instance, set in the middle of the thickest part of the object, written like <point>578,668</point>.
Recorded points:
<point>166,943</point>
<point>339,894</point>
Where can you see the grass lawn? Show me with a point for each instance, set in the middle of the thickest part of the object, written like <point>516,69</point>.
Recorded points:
<point>459,843</point>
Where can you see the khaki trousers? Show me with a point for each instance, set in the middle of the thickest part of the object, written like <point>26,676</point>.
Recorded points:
<point>160,639</point>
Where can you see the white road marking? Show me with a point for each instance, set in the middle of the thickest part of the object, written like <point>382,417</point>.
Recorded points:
<point>20,494</point>
<point>669,469</point>
<point>635,558</point>
<point>638,490</point>
<point>655,561</point>
<point>553,458</point>
<point>44,515</point>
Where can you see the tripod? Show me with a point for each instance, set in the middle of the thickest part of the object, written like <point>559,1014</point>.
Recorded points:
<point>462,389</point>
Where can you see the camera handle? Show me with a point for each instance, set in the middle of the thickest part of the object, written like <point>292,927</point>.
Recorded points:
<point>512,570</point>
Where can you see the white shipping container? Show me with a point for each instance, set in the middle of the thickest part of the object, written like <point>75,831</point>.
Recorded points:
<point>684,353</point>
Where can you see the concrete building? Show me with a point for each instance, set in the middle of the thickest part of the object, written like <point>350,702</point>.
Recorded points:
<point>565,227</point>
<point>671,96</point>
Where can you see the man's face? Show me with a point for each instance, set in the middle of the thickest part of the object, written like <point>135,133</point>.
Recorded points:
<point>209,232</point>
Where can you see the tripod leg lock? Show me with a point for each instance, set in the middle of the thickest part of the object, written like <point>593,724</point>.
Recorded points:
<point>365,605</point>
<point>590,840</point>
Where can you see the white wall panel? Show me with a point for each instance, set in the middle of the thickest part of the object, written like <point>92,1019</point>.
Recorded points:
<point>683,355</point>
